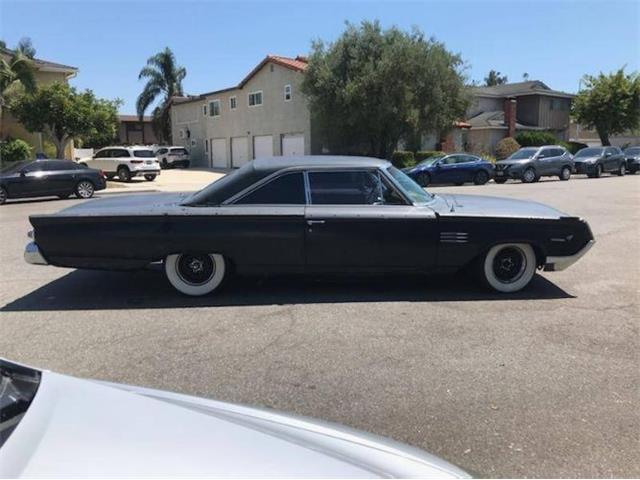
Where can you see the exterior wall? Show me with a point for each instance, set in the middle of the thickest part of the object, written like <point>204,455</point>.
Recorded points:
<point>484,140</point>
<point>528,109</point>
<point>553,118</point>
<point>275,116</point>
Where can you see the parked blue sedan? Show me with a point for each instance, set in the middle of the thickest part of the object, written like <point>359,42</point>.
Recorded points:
<point>457,168</point>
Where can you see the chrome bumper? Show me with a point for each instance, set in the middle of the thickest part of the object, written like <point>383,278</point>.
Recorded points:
<point>556,264</point>
<point>33,256</point>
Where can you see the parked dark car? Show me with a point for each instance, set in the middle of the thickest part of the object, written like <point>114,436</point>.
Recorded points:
<point>632,155</point>
<point>530,163</point>
<point>457,168</point>
<point>311,215</point>
<point>46,178</point>
<point>594,161</point>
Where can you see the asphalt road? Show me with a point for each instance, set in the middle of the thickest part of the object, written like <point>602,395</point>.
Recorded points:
<point>544,383</point>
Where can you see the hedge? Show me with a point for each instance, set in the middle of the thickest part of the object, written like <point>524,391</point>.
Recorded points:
<point>506,147</point>
<point>403,159</point>
<point>14,150</point>
<point>536,139</point>
<point>424,154</point>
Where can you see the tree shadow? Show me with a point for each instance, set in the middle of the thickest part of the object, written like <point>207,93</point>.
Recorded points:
<point>96,290</point>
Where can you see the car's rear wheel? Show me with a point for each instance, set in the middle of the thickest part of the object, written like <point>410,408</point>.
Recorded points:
<point>124,174</point>
<point>424,179</point>
<point>622,169</point>
<point>195,274</point>
<point>508,267</point>
<point>3,195</point>
<point>500,180</point>
<point>529,176</point>
<point>85,189</point>
<point>565,173</point>
<point>481,177</point>
<point>150,178</point>
<point>165,164</point>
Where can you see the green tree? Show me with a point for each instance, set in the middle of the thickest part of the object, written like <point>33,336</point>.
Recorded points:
<point>63,113</point>
<point>26,47</point>
<point>609,103</point>
<point>494,78</point>
<point>371,88</point>
<point>164,79</point>
<point>17,73</point>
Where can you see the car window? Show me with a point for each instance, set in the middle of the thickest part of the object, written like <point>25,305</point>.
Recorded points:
<point>37,166</point>
<point>450,160</point>
<point>465,159</point>
<point>558,152</point>
<point>120,152</point>
<point>546,153</point>
<point>103,154</point>
<point>142,154</point>
<point>287,189</point>
<point>162,151</point>
<point>613,150</point>
<point>345,188</point>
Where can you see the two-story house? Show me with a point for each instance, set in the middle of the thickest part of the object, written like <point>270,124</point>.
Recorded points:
<point>503,110</point>
<point>264,115</point>
<point>46,72</point>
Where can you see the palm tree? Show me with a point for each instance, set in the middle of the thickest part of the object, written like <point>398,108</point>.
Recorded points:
<point>164,78</point>
<point>15,71</point>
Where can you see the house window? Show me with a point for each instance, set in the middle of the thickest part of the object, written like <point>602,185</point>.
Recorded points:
<point>214,108</point>
<point>204,110</point>
<point>233,103</point>
<point>559,104</point>
<point>287,93</point>
<point>255,99</point>
<point>181,133</point>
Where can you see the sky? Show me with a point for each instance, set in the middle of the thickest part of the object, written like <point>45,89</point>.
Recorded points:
<point>219,42</point>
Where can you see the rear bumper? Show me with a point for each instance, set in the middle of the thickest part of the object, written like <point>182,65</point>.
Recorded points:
<point>145,171</point>
<point>33,256</point>
<point>556,264</point>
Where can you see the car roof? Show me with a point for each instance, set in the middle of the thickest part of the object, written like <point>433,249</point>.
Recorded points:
<point>128,147</point>
<point>256,170</point>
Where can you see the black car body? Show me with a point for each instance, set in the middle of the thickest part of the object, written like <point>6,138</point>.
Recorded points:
<point>309,215</point>
<point>457,168</point>
<point>594,161</point>
<point>45,178</point>
<point>632,156</point>
<point>530,163</point>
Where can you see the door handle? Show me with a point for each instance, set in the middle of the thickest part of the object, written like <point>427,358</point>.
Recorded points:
<point>315,222</point>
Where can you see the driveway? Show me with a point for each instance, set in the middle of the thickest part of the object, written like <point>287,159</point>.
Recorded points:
<point>171,180</point>
<point>543,383</point>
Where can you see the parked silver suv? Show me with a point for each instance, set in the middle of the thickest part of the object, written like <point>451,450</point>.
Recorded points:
<point>170,157</point>
<point>530,163</point>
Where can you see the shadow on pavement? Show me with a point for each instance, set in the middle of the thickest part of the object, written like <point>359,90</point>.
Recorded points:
<point>94,290</point>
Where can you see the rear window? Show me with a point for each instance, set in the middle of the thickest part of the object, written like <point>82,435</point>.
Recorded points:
<point>143,153</point>
<point>287,189</point>
<point>179,151</point>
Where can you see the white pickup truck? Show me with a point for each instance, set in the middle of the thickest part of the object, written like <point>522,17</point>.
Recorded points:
<point>125,162</point>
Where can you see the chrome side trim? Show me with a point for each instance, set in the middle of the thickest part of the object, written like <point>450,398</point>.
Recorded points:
<point>33,256</point>
<point>556,264</point>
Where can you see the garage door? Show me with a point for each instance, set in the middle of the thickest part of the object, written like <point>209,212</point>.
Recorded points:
<point>293,144</point>
<point>239,151</point>
<point>219,153</point>
<point>262,146</point>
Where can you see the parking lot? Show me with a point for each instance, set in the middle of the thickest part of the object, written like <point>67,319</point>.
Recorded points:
<point>543,383</point>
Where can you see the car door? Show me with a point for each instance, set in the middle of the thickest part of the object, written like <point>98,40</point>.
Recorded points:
<point>61,176</point>
<point>545,161</point>
<point>33,180</point>
<point>464,168</point>
<point>611,159</point>
<point>357,221</point>
<point>446,170</point>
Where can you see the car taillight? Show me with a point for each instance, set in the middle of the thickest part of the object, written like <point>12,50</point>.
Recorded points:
<point>104,175</point>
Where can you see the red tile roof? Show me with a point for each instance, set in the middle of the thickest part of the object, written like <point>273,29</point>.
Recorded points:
<point>298,64</point>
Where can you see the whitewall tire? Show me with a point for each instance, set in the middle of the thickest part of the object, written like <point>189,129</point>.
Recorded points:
<point>509,267</point>
<point>195,274</point>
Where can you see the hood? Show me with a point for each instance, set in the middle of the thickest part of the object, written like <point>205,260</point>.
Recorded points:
<point>587,159</point>
<point>513,162</point>
<point>481,206</point>
<point>116,204</point>
<point>84,428</point>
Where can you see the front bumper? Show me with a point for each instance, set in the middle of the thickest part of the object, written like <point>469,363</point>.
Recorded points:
<point>557,264</point>
<point>510,172</point>
<point>33,256</point>
<point>583,168</point>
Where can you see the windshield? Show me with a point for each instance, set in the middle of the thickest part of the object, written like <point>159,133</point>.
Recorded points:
<point>410,188</point>
<point>18,386</point>
<point>589,152</point>
<point>632,151</point>
<point>14,167</point>
<point>430,160</point>
<point>523,154</point>
<point>143,153</point>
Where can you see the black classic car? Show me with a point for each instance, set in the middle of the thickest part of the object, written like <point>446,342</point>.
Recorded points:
<point>310,215</point>
<point>45,178</point>
<point>594,161</point>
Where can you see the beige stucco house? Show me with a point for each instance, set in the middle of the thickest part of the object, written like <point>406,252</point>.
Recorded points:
<point>264,115</point>
<point>46,72</point>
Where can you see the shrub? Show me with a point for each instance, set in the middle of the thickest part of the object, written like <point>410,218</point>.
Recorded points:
<point>403,159</point>
<point>536,139</point>
<point>574,147</point>
<point>14,150</point>
<point>424,154</point>
<point>506,147</point>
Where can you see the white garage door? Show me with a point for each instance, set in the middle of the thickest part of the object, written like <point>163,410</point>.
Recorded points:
<point>293,144</point>
<point>239,151</point>
<point>262,146</point>
<point>219,153</point>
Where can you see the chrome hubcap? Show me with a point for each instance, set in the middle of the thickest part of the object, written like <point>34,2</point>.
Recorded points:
<point>85,189</point>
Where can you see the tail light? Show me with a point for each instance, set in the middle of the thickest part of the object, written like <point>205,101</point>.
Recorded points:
<point>104,175</point>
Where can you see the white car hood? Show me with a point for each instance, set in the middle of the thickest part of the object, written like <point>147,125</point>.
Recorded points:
<point>81,428</point>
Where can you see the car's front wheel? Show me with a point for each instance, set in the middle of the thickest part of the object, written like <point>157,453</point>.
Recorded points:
<point>195,274</point>
<point>508,267</point>
<point>85,189</point>
<point>529,176</point>
<point>150,177</point>
<point>124,174</point>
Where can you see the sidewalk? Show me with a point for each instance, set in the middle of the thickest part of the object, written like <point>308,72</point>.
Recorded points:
<point>178,180</point>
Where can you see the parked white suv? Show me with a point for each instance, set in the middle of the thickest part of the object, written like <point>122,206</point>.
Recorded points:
<point>125,162</point>
<point>170,157</point>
